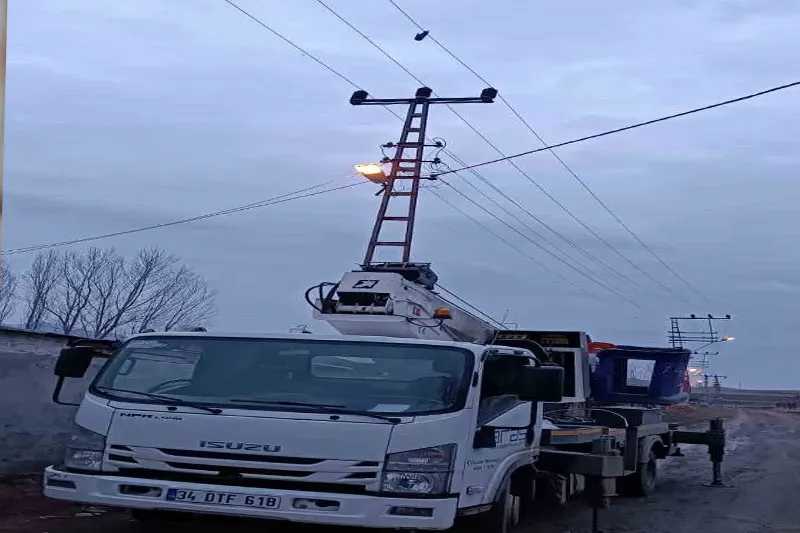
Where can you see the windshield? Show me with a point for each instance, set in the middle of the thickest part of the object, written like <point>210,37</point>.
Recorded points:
<point>290,374</point>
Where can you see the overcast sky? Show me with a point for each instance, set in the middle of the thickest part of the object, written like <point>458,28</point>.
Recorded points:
<point>133,112</point>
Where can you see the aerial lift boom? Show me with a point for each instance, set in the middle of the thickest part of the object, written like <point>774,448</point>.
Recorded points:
<point>399,299</point>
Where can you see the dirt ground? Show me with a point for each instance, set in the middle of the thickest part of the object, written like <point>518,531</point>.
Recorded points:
<point>761,465</point>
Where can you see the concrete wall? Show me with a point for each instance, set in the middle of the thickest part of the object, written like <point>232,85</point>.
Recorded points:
<point>33,430</point>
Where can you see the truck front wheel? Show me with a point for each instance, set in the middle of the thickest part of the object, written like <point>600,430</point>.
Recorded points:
<point>504,514</point>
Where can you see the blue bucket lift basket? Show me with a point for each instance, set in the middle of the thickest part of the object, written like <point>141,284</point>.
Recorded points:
<point>610,380</point>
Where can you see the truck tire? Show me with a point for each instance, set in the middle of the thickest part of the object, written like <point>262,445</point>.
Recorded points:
<point>504,514</point>
<point>643,481</point>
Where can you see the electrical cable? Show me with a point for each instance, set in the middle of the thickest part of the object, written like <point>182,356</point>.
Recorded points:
<point>550,253</point>
<point>563,237</point>
<point>629,127</point>
<point>519,250</point>
<point>397,116</point>
<point>569,241</point>
<point>255,205</point>
<point>555,154</point>
<point>466,303</point>
<point>513,246</point>
<point>291,43</point>
<point>327,67</point>
<point>527,176</point>
<point>303,51</point>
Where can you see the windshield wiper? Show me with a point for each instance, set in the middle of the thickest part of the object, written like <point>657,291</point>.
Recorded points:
<point>169,400</point>
<point>337,409</point>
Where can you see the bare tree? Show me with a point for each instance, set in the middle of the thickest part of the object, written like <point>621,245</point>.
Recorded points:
<point>75,284</point>
<point>103,294</point>
<point>8,292</point>
<point>38,283</point>
<point>181,299</point>
<point>111,287</point>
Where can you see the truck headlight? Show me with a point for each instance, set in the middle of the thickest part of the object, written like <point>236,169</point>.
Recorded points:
<point>422,471</point>
<point>85,450</point>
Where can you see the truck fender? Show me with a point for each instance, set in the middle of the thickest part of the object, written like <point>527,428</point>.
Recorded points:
<point>654,443</point>
<point>513,465</point>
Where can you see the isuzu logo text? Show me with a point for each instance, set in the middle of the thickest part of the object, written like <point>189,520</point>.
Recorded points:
<point>244,446</point>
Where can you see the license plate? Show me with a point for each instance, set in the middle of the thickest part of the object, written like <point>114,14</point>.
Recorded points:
<point>223,498</point>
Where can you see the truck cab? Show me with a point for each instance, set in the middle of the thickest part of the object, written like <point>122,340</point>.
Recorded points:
<point>369,431</point>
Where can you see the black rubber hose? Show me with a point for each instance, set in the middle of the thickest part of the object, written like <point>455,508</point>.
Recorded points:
<point>308,297</point>
<point>324,298</point>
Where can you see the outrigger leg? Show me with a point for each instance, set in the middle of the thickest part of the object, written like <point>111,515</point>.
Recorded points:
<point>716,451</point>
<point>601,489</point>
<point>714,438</point>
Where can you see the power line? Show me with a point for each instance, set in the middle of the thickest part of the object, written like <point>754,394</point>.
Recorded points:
<point>625,128</point>
<point>512,245</point>
<point>296,195</point>
<point>346,79</point>
<point>518,220</point>
<point>519,250</point>
<point>566,239</point>
<point>587,272</point>
<point>583,268</point>
<point>527,176</point>
<point>263,203</point>
<point>458,298</point>
<point>550,253</point>
<point>558,158</point>
<point>291,43</point>
<point>353,84</point>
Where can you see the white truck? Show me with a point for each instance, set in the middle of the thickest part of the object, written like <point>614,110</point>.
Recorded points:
<point>420,413</point>
<point>367,431</point>
<point>381,431</point>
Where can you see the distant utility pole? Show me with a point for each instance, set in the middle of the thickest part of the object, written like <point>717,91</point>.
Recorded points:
<point>678,335</point>
<point>3,40</point>
<point>406,164</point>
<point>699,330</point>
<point>717,384</point>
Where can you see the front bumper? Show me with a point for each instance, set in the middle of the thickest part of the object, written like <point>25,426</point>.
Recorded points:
<point>352,510</point>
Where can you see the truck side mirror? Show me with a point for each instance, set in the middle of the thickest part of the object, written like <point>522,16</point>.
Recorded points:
<point>73,362</point>
<point>541,384</point>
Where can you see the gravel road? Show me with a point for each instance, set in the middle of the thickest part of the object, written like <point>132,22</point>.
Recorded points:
<point>761,468</point>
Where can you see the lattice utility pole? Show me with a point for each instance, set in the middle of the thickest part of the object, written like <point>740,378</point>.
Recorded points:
<point>717,383</point>
<point>407,163</point>
<point>708,335</point>
<point>678,336</point>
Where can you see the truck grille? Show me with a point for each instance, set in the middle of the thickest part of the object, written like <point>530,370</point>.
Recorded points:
<point>226,468</point>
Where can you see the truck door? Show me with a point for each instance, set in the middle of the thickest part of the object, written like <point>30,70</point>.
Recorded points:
<point>504,431</point>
